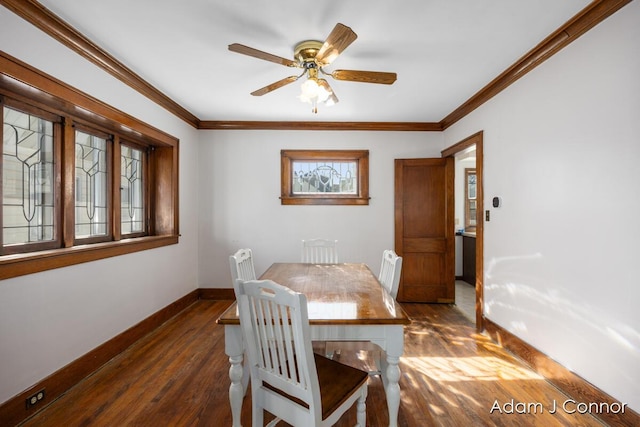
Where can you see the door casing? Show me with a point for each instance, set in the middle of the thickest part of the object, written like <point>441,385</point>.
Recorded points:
<point>477,140</point>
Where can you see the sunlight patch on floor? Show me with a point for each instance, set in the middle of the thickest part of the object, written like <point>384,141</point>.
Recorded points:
<point>475,368</point>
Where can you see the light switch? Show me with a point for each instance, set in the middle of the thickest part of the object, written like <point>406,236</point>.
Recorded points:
<point>487,216</point>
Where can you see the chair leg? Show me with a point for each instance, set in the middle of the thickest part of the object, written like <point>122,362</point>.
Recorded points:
<point>377,356</point>
<point>324,349</point>
<point>361,416</point>
<point>257,415</point>
<point>328,350</point>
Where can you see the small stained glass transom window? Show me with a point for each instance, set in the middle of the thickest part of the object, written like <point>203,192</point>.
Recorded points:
<point>28,179</point>
<point>313,177</point>
<point>324,177</point>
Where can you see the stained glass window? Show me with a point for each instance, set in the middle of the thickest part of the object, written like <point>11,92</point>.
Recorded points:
<point>132,195</point>
<point>313,177</point>
<point>91,185</point>
<point>324,177</point>
<point>28,179</point>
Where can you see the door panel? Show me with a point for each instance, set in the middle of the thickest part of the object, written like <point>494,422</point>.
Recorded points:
<point>424,231</point>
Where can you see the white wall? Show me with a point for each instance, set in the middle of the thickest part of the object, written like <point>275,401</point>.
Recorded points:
<point>49,319</point>
<point>561,147</point>
<point>240,205</point>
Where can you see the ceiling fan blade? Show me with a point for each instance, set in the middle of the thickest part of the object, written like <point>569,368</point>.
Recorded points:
<point>274,86</point>
<point>338,40</point>
<point>365,76</point>
<point>246,50</point>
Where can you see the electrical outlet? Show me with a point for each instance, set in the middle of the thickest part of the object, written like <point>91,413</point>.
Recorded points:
<point>35,398</point>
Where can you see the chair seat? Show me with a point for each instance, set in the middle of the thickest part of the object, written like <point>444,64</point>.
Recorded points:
<point>337,382</point>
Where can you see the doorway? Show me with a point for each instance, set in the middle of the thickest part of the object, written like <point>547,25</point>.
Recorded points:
<point>466,212</point>
<point>457,152</point>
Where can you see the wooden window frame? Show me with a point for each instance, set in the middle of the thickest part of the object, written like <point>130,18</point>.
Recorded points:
<point>288,197</point>
<point>21,83</point>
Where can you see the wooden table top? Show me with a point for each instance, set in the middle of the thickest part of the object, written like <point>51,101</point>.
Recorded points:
<point>337,294</point>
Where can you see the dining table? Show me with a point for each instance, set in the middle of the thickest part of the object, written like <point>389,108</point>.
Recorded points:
<point>345,303</point>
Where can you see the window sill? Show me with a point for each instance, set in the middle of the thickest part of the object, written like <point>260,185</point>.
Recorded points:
<point>324,200</point>
<point>34,262</point>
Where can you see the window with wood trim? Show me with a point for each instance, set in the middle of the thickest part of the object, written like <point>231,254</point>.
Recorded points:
<point>132,191</point>
<point>30,170</point>
<point>80,180</point>
<point>470,199</point>
<point>324,177</point>
<point>93,183</point>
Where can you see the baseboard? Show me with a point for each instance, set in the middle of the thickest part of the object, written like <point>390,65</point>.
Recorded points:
<point>14,411</point>
<point>571,384</point>
<point>217,294</point>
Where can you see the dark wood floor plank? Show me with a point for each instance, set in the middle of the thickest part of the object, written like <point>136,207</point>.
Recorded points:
<point>178,376</point>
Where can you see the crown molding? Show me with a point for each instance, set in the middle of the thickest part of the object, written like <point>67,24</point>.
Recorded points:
<point>274,125</point>
<point>42,18</point>
<point>596,12</point>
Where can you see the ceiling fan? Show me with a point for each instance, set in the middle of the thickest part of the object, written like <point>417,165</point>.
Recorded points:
<point>312,56</point>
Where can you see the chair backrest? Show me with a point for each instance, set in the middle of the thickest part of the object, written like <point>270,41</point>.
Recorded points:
<point>320,251</point>
<point>390,269</point>
<point>275,324</point>
<point>241,265</point>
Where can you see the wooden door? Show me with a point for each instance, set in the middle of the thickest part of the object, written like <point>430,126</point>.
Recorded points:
<point>424,230</point>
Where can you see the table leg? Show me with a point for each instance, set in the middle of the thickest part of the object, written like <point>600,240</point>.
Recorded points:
<point>234,349</point>
<point>395,347</point>
<point>393,389</point>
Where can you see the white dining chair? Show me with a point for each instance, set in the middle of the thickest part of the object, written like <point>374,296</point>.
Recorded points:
<point>320,251</point>
<point>241,265</point>
<point>287,378</point>
<point>389,278</point>
<point>390,270</point>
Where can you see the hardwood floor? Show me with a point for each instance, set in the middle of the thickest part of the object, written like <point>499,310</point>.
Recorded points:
<point>178,376</point>
<point>466,300</point>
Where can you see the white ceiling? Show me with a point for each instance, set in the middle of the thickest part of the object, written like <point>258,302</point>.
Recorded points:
<point>444,51</point>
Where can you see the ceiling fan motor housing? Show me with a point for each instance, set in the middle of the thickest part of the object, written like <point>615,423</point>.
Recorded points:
<point>305,53</point>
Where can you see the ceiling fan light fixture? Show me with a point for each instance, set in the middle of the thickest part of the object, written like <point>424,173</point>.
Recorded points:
<point>332,99</point>
<point>313,92</point>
